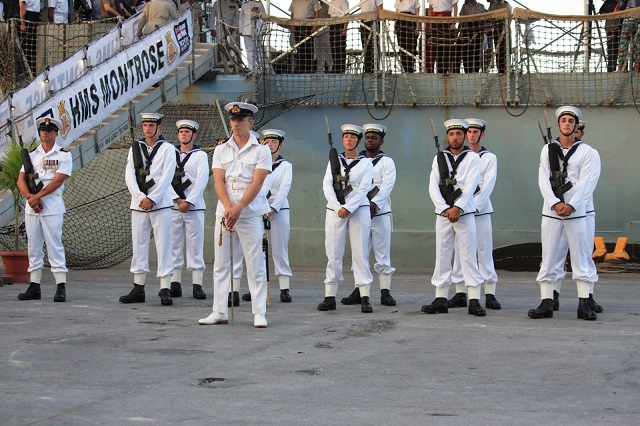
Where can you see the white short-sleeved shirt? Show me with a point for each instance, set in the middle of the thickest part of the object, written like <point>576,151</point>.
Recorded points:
<point>304,9</point>
<point>407,6</point>
<point>338,8</point>
<point>442,5</point>
<point>239,165</point>
<point>370,6</point>
<point>46,165</point>
<point>60,11</point>
<point>32,5</point>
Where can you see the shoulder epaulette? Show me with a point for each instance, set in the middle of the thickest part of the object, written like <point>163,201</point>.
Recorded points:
<point>63,150</point>
<point>262,141</point>
<point>221,141</point>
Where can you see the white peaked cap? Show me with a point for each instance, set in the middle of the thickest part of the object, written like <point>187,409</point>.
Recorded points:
<point>187,124</point>
<point>151,117</point>
<point>376,128</point>
<point>352,129</point>
<point>456,123</point>
<point>476,123</point>
<point>570,110</point>
<point>273,134</point>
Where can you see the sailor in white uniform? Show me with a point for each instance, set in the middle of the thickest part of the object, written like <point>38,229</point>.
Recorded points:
<point>187,214</point>
<point>455,174</point>
<point>591,232</point>
<point>240,166</point>
<point>484,230</point>
<point>44,209</point>
<point>384,178</point>
<point>148,175</point>
<point>350,216</point>
<point>568,170</point>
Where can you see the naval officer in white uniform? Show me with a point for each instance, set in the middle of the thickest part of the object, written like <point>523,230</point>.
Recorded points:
<point>44,210</point>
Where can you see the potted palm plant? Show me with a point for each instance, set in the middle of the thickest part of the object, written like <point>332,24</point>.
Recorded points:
<point>15,260</point>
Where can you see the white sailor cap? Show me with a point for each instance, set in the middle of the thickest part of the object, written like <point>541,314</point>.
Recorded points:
<point>476,123</point>
<point>569,110</point>
<point>187,124</point>
<point>352,129</point>
<point>375,128</point>
<point>582,125</point>
<point>240,109</point>
<point>48,123</point>
<point>151,117</point>
<point>456,123</point>
<point>273,134</point>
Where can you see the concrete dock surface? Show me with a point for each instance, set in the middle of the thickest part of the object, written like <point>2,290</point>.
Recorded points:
<point>92,360</point>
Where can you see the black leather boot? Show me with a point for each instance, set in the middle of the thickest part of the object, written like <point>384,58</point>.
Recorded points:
<point>459,300</point>
<point>198,292</point>
<point>365,306</point>
<point>135,296</point>
<point>176,289</point>
<point>490,302</point>
<point>61,293</point>
<point>545,310</point>
<point>353,298</point>
<point>386,299</point>
<point>438,306</point>
<point>235,298</point>
<point>285,297</point>
<point>32,293</point>
<point>593,305</point>
<point>246,297</point>
<point>328,304</point>
<point>165,297</point>
<point>476,309</point>
<point>556,301</point>
<point>584,311</point>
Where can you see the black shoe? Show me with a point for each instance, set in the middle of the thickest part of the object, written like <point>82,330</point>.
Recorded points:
<point>328,304</point>
<point>584,311</point>
<point>556,301</point>
<point>198,293</point>
<point>176,289</point>
<point>459,300</point>
<point>490,302</point>
<point>236,299</point>
<point>285,297</point>
<point>365,306</point>
<point>476,309</point>
<point>246,297</point>
<point>386,299</point>
<point>593,305</point>
<point>165,297</point>
<point>545,310</point>
<point>32,293</point>
<point>353,298</point>
<point>438,306</point>
<point>135,296</point>
<point>61,293</point>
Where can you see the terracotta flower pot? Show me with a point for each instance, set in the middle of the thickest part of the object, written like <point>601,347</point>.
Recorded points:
<point>16,264</point>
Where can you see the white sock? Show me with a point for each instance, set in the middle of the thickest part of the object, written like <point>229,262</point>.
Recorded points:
<point>474,292</point>
<point>197,276</point>
<point>557,286</point>
<point>591,285</point>
<point>583,289</point>
<point>177,275</point>
<point>284,282</point>
<point>165,282</point>
<point>330,290</point>
<point>490,288</point>
<point>385,282</point>
<point>36,276</point>
<point>442,291</point>
<point>236,284</point>
<point>461,288</point>
<point>546,290</point>
<point>140,278</point>
<point>365,290</point>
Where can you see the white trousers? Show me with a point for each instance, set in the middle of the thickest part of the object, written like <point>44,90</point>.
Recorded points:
<point>358,225</point>
<point>141,225</point>
<point>45,229</point>
<point>484,236</point>
<point>380,241</point>
<point>279,241</point>
<point>447,233</point>
<point>563,247</point>
<point>251,50</point>
<point>574,231</point>
<point>190,223</point>
<point>248,235</point>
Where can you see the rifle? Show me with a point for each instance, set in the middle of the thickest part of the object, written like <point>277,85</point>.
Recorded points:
<point>372,193</point>
<point>141,172</point>
<point>340,185</point>
<point>446,183</point>
<point>546,123</point>
<point>265,249</point>
<point>544,138</point>
<point>557,177</point>
<point>29,173</point>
